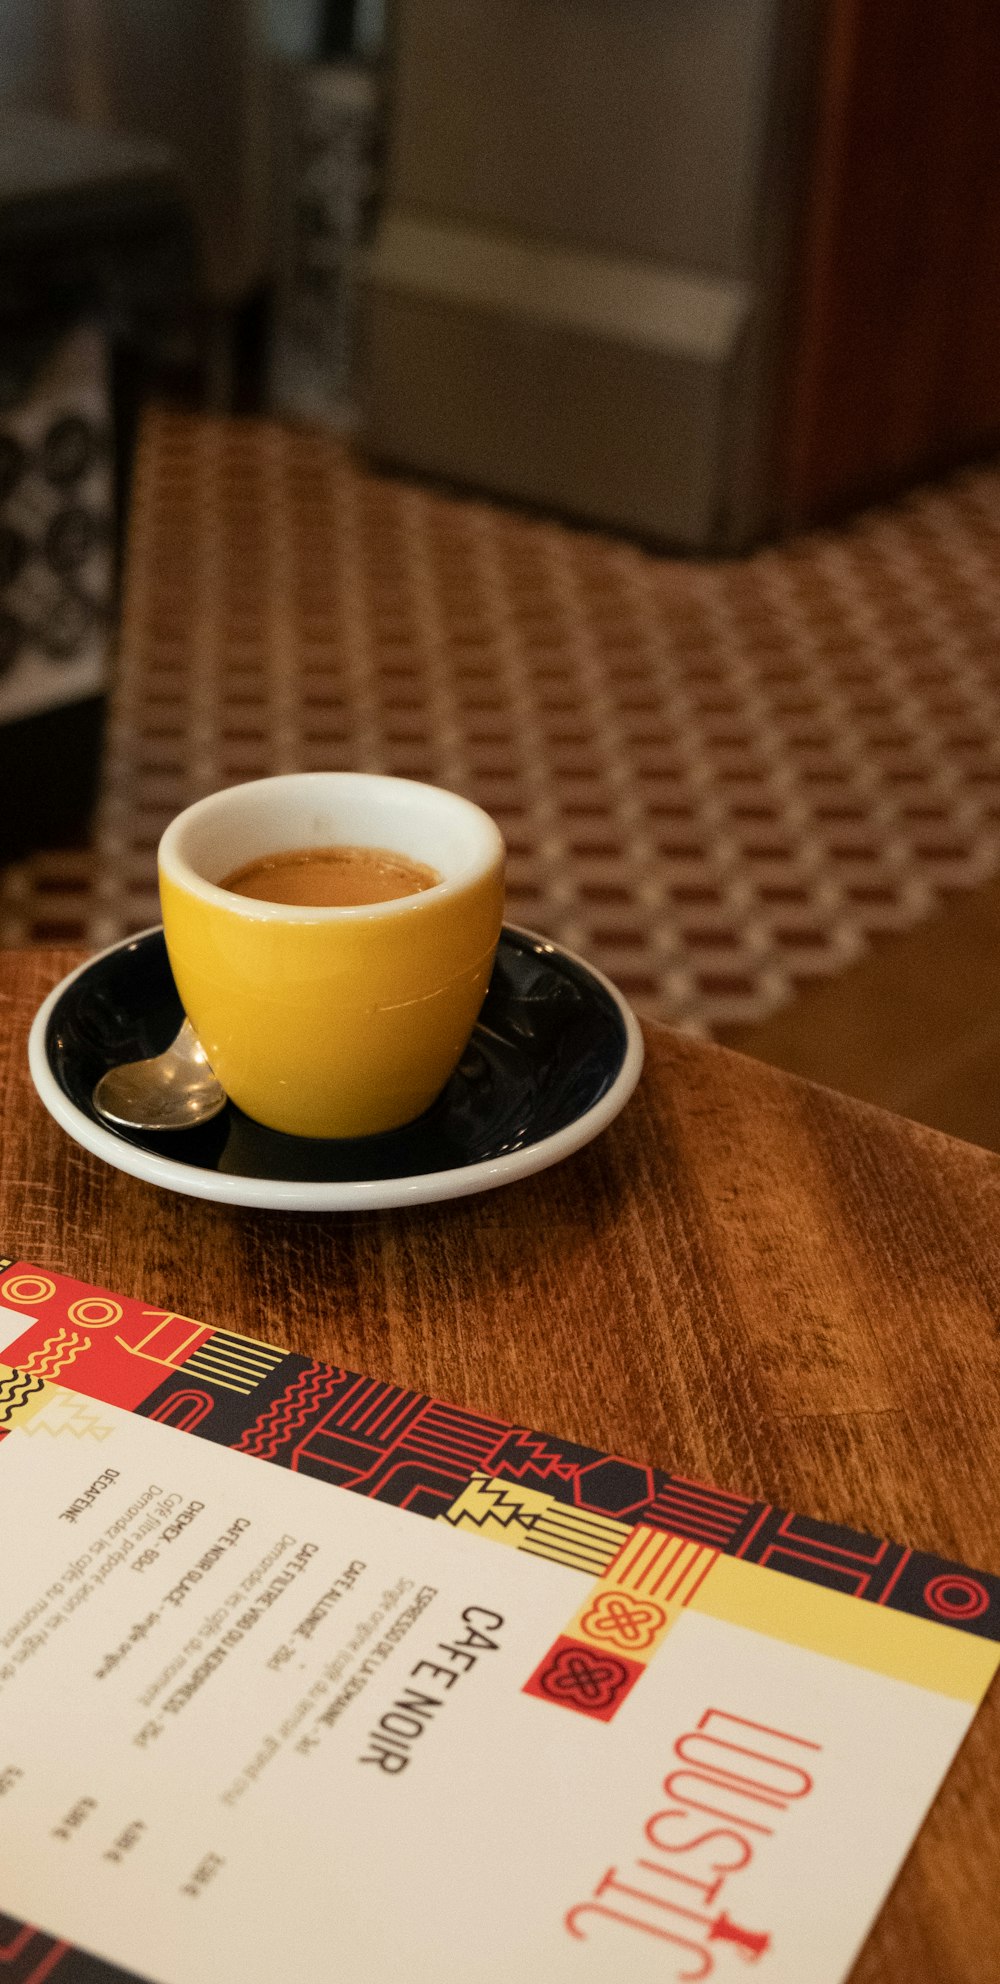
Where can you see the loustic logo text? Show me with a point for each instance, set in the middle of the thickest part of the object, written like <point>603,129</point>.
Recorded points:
<point>742,1776</point>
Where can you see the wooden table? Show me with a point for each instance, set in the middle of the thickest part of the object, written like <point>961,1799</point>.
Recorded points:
<point>747,1279</point>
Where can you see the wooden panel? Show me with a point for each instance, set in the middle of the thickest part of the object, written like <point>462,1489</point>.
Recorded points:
<point>897,316</point>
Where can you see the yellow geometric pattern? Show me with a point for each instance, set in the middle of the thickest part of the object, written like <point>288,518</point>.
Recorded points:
<point>69,1413</point>
<point>656,1576</point>
<point>95,1312</point>
<point>57,1353</point>
<point>527,1519</point>
<point>171,1344</point>
<point>29,1404</point>
<point>642,1593</point>
<point>22,1395</point>
<point>31,1288</point>
<point>928,1655</point>
<point>236,1363</point>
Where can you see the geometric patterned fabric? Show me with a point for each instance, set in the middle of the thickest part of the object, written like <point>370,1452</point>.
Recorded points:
<point>717,780</point>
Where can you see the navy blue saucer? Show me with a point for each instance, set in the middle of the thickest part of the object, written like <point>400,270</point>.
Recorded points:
<point>554,1055</point>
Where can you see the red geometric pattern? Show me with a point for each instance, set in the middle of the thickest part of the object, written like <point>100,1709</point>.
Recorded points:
<point>287,1415</point>
<point>847,1561</point>
<point>114,1348</point>
<point>184,1409</point>
<point>576,1676</point>
<point>956,1598</point>
<point>106,1346</point>
<point>693,1508</point>
<point>419,1453</point>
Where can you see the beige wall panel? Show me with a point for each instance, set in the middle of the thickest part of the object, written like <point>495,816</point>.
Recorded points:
<point>631,124</point>
<point>629,436</point>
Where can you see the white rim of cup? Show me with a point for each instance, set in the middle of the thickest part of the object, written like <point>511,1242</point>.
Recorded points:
<point>176,866</point>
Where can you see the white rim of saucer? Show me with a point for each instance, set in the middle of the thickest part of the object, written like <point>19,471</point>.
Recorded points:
<point>353,1195</point>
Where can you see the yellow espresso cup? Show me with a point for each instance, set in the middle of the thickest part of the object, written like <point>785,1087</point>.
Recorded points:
<point>332,1022</point>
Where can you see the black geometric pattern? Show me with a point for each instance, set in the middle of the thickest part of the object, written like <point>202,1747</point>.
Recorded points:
<point>418,1453</point>
<point>29,1956</point>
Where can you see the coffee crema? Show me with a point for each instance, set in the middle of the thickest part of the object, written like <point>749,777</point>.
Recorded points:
<point>331,877</point>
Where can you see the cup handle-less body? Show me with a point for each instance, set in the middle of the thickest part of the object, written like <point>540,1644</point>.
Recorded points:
<point>330,1021</point>
<point>341,1026</point>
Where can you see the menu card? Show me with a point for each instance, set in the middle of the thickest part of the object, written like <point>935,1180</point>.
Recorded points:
<point>431,1697</point>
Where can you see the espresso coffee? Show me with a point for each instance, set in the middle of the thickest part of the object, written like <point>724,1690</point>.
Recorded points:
<point>331,877</point>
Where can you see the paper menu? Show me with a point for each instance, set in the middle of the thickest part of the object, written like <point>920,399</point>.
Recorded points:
<point>508,1707</point>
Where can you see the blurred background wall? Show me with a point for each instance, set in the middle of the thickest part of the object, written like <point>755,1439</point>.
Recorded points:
<point>575,288</point>
<point>191,75</point>
<point>701,270</point>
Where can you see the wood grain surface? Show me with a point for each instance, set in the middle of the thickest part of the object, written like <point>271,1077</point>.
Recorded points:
<point>746,1278</point>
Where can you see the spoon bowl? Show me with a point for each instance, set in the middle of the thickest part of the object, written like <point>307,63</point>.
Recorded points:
<point>175,1090</point>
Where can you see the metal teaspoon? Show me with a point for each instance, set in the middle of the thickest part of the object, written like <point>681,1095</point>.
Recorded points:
<point>171,1091</point>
